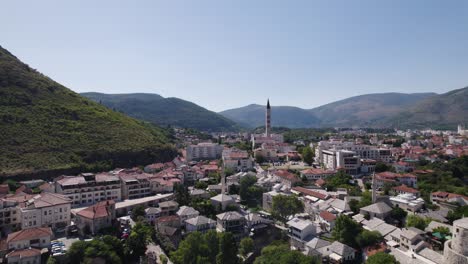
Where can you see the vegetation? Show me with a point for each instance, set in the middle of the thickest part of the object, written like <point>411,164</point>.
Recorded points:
<point>246,246</point>
<point>279,252</point>
<point>346,230</point>
<point>285,206</point>
<point>368,238</point>
<point>47,129</point>
<point>211,247</point>
<point>417,221</point>
<point>181,194</point>
<point>366,200</point>
<point>443,230</point>
<point>165,111</point>
<point>458,213</point>
<point>382,258</point>
<point>250,193</point>
<point>138,212</point>
<point>107,248</point>
<point>140,236</point>
<point>308,155</point>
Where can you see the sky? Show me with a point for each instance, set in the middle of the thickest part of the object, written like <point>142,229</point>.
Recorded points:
<point>227,54</point>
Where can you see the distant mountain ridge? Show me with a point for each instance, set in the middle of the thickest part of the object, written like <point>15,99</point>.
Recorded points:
<point>402,110</point>
<point>162,111</point>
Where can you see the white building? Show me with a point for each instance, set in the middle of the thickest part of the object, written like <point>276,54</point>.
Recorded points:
<point>455,250</point>
<point>301,231</point>
<point>204,151</point>
<point>238,160</point>
<point>199,224</point>
<point>46,209</point>
<point>408,202</point>
<point>88,188</point>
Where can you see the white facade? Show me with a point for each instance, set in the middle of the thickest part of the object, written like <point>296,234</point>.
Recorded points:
<point>46,209</point>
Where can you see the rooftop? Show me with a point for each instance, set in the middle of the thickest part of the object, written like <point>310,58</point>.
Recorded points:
<point>98,210</point>
<point>379,208</point>
<point>29,234</point>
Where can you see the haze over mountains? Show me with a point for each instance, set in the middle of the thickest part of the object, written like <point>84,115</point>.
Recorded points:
<point>48,129</point>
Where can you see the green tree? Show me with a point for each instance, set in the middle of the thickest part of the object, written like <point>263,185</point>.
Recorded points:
<point>138,211</point>
<point>259,158</point>
<point>368,238</point>
<point>163,259</point>
<point>51,260</point>
<point>417,221</point>
<point>189,249</point>
<point>279,252</point>
<point>201,185</point>
<point>381,167</point>
<point>140,236</point>
<point>458,213</point>
<point>250,193</point>
<point>246,246</point>
<point>443,230</point>
<point>285,206</point>
<point>398,214</point>
<point>382,258</point>
<point>308,155</point>
<point>181,194</point>
<point>354,205</point>
<point>345,230</point>
<point>227,250</point>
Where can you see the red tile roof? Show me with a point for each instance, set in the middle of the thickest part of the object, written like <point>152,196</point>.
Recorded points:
<point>317,171</point>
<point>309,192</point>
<point>406,189</point>
<point>327,216</point>
<point>98,210</point>
<point>25,253</point>
<point>29,234</point>
<point>284,174</point>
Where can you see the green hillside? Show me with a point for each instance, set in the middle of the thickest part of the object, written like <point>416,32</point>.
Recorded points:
<point>444,111</point>
<point>165,111</point>
<point>47,129</point>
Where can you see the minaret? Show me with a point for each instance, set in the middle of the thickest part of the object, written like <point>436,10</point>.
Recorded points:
<point>268,120</point>
<point>374,189</point>
<point>223,181</point>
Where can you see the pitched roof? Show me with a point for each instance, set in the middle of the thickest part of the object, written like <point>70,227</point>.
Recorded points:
<point>49,199</point>
<point>327,216</point>
<point>200,220</point>
<point>229,216</point>
<point>317,171</point>
<point>404,188</point>
<point>187,210</point>
<point>341,249</point>
<point>98,210</point>
<point>24,253</point>
<point>29,234</point>
<point>316,243</point>
<point>379,208</point>
<point>284,174</point>
<point>310,192</point>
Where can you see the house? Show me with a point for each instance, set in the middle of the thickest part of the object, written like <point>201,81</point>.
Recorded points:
<point>200,224</point>
<point>286,178</point>
<point>152,213</point>
<point>168,207</point>
<point>380,210</point>
<point>338,252</point>
<point>24,256</point>
<point>10,218</point>
<point>96,217</point>
<point>46,209</point>
<point>199,194</point>
<point>449,198</point>
<point>403,189</point>
<point>169,220</point>
<point>232,222</point>
<point>327,220</point>
<point>267,199</point>
<point>412,239</point>
<point>38,237</point>
<point>186,212</point>
<point>238,160</point>
<point>300,231</point>
<point>312,247</point>
<point>221,201</point>
<point>316,174</point>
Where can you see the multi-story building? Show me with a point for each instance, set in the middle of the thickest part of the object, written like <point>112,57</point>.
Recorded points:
<point>10,218</point>
<point>232,222</point>
<point>204,151</point>
<point>238,160</point>
<point>96,217</point>
<point>135,185</point>
<point>200,224</point>
<point>88,188</point>
<point>46,209</point>
<point>301,231</point>
<point>25,245</point>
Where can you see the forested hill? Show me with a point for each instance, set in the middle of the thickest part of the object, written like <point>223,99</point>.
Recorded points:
<point>47,129</point>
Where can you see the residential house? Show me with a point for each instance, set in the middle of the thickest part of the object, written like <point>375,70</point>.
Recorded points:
<point>38,237</point>
<point>222,201</point>
<point>24,256</point>
<point>168,207</point>
<point>152,213</point>
<point>46,209</point>
<point>187,212</point>
<point>200,224</point>
<point>327,220</point>
<point>286,178</point>
<point>315,174</point>
<point>380,210</point>
<point>301,231</point>
<point>338,252</point>
<point>96,217</point>
<point>231,221</point>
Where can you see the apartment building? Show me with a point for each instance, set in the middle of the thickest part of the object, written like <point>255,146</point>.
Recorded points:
<point>10,218</point>
<point>238,160</point>
<point>203,151</point>
<point>88,188</point>
<point>361,150</point>
<point>135,184</point>
<point>46,209</point>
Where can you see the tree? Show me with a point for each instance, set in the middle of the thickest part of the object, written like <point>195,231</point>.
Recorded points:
<point>443,230</point>
<point>398,214</point>
<point>354,205</point>
<point>227,250</point>
<point>381,167</point>
<point>189,249</point>
<point>51,260</point>
<point>246,246</point>
<point>201,185</point>
<point>139,210</point>
<point>345,230</point>
<point>382,258</point>
<point>308,155</point>
<point>259,158</point>
<point>99,248</point>
<point>458,213</point>
<point>279,252</point>
<point>135,245</point>
<point>368,238</point>
<point>417,221</point>
<point>163,259</point>
<point>250,193</point>
<point>181,194</point>
<point>285,206</point>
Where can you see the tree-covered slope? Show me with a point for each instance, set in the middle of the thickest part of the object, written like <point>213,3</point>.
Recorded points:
<point>287,116</point>
<point>165,111</point>
<point>442,111</point>
<point>48,129</point>
<point>366,110</point>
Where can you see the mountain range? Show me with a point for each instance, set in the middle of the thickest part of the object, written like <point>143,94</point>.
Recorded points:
<point>47,129</point>
<point>164,111</point>
<point>417,110</point>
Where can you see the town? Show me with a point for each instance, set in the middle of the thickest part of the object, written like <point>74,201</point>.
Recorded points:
<point>344,196</point>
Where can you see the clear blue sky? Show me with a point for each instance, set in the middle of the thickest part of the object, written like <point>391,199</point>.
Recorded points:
<point>225,54</point>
